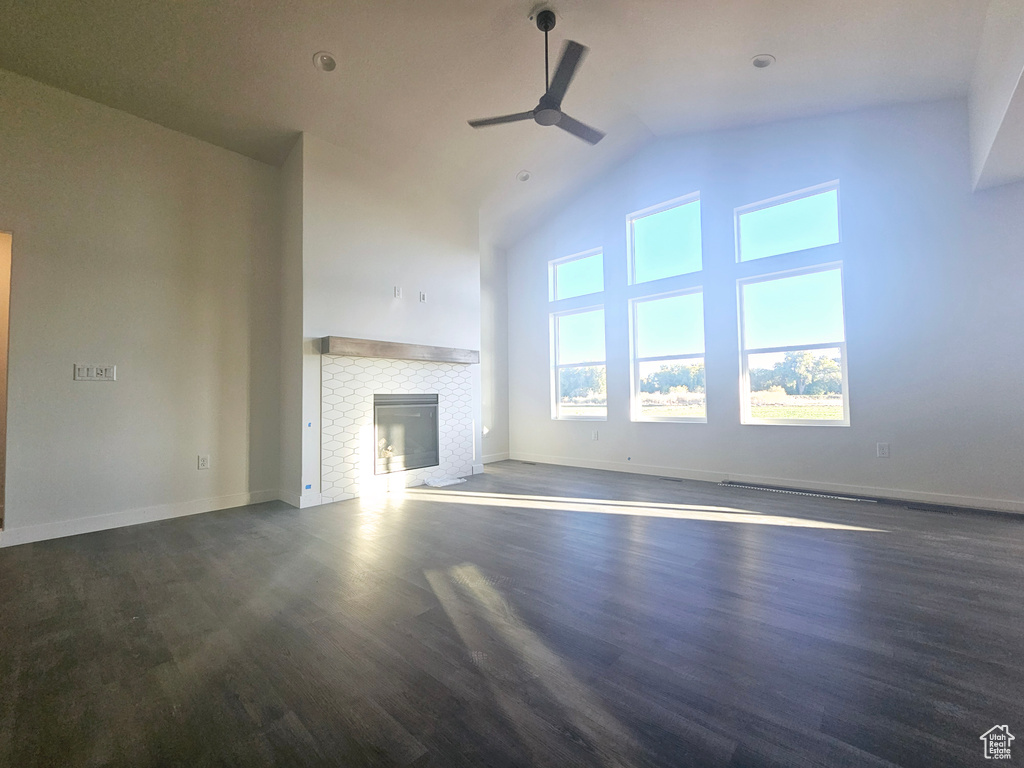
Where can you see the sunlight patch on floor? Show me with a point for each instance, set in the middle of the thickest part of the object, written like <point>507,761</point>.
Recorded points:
<point>507,652</point>
<point>614,507</point>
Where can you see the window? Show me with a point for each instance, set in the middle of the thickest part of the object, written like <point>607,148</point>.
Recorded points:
<point>793,348</point>
<point>576,275</point>
<point>577,342</point>
<point>664,241</point>
<point>796,222</point>
<point>668,358</point>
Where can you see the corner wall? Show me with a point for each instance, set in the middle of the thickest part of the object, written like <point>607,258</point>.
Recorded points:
<point>141,247</point>
<point>291,327</point>
<point>362,235</point>
<point>494,352</point>
<point>932,289</point>
<point>996,96</point>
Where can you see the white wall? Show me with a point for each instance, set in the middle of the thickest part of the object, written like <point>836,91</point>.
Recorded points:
<point>136,246</point>
<point>997,93</point>
<point>494,351</point>
<point>363,233</point>
<point>291,327</point>
<point>5,314</point>
<point>933,277</point>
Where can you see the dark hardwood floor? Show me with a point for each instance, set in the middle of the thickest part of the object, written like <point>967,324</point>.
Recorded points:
<point>534,615</point>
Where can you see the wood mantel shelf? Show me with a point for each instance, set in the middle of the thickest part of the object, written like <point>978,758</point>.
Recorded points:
<point>343,345</point>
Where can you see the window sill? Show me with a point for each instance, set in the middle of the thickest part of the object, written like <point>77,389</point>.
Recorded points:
<point>668,420</point>
<point>793,423</point>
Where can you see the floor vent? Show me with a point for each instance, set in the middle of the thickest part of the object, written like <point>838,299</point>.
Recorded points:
<point>529,463</point>
<point>672,479</point>
<point>727,484</point>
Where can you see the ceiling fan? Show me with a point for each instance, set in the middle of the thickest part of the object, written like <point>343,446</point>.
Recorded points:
<point>549,109</point>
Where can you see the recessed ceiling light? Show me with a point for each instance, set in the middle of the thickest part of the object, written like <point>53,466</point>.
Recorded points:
<point>523,176</point>
<point>763,60</point>
<point>324,61</point>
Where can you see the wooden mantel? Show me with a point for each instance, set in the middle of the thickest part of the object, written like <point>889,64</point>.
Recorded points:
<point>343,345</point>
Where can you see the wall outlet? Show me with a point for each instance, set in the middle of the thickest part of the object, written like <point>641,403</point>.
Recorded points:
<point>593,435</point>
<point>423,297</point>
<point>398,292</point>
<point>882,450</point>
<point>204,461</point>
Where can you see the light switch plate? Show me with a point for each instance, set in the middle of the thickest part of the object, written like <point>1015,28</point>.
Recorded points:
<point>83,372</point>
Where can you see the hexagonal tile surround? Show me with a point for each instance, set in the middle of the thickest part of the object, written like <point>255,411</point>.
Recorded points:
<point>347,450</point>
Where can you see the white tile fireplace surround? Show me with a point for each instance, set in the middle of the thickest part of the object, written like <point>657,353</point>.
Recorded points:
<point>348,452</point>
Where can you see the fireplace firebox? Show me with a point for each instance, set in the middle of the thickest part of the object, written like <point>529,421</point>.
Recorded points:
<point>405,432</point>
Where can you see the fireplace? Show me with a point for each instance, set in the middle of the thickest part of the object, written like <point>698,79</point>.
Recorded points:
<point>405,432</point>
<point>352,370</point>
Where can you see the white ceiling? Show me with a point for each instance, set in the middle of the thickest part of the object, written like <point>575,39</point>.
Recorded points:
<point>239,73</point>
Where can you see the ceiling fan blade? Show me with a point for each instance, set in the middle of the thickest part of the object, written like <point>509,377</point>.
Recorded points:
<point>576,128</point>
<point>572,55</point>
<point>503,119</point>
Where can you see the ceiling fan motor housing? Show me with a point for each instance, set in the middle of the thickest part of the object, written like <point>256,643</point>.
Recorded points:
<point>547,116</point>
<point>546,20</point>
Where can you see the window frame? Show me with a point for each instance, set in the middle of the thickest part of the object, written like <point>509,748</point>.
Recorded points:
<point>789,197</point>
<point>745,415</point>
<point>691,197</point>
<point>556,367</point>
<point>635,409</point>
<point>554,264</point>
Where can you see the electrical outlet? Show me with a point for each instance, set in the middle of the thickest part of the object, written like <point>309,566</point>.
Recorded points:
<point>398,292</point>
<point>593,435</point>
<point>882,450</point>
<point>423,297</point>
<point>204,461</point>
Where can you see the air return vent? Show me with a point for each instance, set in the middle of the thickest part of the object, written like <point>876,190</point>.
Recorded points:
<point>727,484</point>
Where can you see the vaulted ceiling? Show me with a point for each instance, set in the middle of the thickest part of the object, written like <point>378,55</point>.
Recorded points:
<point>240,74</point>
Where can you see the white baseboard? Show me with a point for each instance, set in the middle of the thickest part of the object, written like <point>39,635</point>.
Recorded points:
<point>258,497</point>
<point>55,530</point>
<point>478,469</point>
<point>310,499</point>
<point>288,497</point>
<point>490,458</point>
<point>896,494</point>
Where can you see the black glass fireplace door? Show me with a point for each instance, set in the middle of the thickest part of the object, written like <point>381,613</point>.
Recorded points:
<point>405,432</point>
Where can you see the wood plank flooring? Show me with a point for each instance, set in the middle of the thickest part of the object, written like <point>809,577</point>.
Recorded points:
<point>533,616</point>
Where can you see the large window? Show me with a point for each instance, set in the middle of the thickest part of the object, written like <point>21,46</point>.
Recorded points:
<point>664,241</point>
<point>576,275</point>
<point>578,372</point>
<point>793,348</point>
<point>794,222</point>
<point>788,275</point>
<point>668,358</point>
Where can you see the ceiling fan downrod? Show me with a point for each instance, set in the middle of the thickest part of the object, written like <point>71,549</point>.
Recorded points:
<point>545,23</point>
